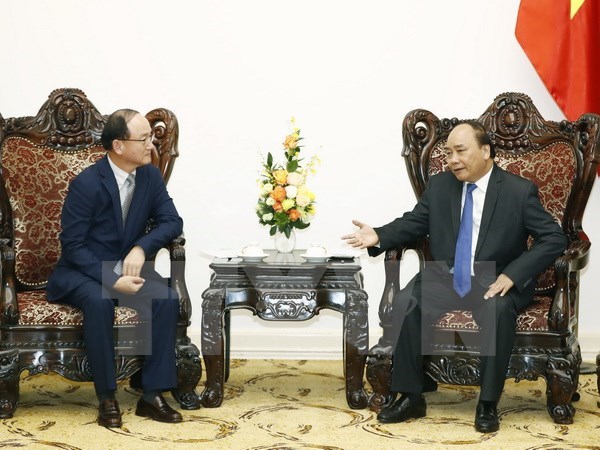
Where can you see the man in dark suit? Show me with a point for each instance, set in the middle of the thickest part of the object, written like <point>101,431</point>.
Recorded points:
<point>104,252</point>
<point>478,218</point>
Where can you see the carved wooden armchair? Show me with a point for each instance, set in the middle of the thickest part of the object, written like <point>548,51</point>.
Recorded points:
<point>561,158</point>
<point>39,157</point>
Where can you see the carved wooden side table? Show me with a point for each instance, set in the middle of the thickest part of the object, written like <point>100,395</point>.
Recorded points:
<point>284,288</point>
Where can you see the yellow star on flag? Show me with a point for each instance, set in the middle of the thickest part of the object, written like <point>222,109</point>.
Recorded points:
<point>575,5</point>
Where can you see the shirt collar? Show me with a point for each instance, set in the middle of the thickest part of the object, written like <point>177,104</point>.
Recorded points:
<point>120,174</point>
<point>483,182</point>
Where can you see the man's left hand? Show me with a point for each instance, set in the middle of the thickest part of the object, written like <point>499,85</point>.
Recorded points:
<point>134,261</point>
<point>500,286</point>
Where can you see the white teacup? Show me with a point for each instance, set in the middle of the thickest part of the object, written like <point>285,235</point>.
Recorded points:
<point>316,250</point>
<point>252,249</point>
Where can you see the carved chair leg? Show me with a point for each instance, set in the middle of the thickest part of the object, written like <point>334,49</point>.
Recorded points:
<point>189,372</point>
<point>135,381</point>
<point>379,376</point>
<point>598,375</point>
<point>9,382</point>
<point>561,384</point>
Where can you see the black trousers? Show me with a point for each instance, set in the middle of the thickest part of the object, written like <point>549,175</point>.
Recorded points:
<point>157,306</point>
<point>423,301</point>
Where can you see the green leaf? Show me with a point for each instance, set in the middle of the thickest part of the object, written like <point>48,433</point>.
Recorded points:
<point>287,232</point>
<point>301,225</point>
<point>269,160</point>
<point>273,230</point>
<point>292,166</point>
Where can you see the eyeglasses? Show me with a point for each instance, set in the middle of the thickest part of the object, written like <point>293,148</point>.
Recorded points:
<point>146,141</point>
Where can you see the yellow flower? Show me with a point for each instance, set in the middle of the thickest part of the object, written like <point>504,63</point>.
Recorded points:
<point>280,176</point>
<point>304,191</point>
<point>291,141</point>
<point>288,203</point>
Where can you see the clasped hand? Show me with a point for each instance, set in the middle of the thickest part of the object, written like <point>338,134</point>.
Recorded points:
<point>130,281</point>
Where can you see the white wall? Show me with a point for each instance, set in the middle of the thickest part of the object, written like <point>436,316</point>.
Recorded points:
<point>235,71</point>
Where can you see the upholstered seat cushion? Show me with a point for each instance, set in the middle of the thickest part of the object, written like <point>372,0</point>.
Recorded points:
<point>35,309</point>
<point>532,318</point>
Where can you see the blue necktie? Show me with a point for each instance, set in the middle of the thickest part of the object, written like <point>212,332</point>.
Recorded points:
<point>462,257</point>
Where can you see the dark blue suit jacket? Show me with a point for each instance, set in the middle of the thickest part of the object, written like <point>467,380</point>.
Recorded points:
<point>93,231</point>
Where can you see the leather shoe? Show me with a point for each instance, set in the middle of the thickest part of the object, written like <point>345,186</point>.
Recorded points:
<point>403,409</point>
<point>486,417</point>
<point>109,414</point>
<point>159,410</point>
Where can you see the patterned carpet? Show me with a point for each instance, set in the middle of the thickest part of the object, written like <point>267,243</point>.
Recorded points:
<point>294,405</point>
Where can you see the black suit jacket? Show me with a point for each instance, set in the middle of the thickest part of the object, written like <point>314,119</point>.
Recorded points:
<point>511,213</point>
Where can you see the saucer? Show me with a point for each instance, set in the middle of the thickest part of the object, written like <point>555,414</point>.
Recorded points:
<point>253,258</point>
<point>315,258</point>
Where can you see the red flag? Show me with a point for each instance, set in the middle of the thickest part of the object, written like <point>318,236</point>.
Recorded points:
<point>562,40</point>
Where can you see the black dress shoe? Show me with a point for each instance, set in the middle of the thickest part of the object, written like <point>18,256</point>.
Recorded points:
<point>402,409</point>
<point>486,417</point>
<point>109,414</point>
<point>159,410</point>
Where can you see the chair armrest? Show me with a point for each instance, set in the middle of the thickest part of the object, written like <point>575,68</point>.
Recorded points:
<point>177,256</point>
<point>566,297</point>
<point>391,288</point>
<point>9,309</point>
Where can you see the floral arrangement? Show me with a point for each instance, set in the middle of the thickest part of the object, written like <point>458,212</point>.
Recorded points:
<point>285,202</point>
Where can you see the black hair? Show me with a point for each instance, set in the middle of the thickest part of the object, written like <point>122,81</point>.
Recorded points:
<point>116,127</point>
<point>481,135</point>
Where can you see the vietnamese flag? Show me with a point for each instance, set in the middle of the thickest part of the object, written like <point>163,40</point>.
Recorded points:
<point>562,40</point>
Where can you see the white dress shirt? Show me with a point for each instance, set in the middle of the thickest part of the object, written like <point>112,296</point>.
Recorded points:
<point>121,176</point>
<point>478,200</point>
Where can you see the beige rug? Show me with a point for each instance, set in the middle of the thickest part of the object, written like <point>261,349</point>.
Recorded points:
<point>294,405</point>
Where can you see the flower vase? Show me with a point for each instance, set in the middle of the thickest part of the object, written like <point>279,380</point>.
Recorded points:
<point>285,244</point>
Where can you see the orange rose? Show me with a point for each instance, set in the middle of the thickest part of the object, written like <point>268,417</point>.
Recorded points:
<point>294,214</point>
<point>291,141</point>
<point>277,207</point>
<point>280,176</point>
<point>278,194</point>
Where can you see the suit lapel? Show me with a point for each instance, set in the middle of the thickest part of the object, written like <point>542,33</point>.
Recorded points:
<point>491,196</point>
<point>455,205</point>
<point>110,183</point>
<point>136,201</point>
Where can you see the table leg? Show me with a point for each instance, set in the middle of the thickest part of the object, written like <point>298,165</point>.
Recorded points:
<point>227,322</point>
<point>212,346</point>
<point>356,341</point>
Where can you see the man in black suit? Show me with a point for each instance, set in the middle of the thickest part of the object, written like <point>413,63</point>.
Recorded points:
<point>103,261</point>
<point>478,218</point>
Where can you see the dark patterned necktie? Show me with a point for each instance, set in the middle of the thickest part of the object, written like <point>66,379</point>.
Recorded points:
<point>462,256</point>
<point>129,188</point>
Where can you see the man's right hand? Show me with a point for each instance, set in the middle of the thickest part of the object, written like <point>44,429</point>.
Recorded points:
<point>364,237</point>
<point>128,285</point>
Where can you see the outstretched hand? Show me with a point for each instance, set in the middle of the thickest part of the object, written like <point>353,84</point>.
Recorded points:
<point>364,237</point>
